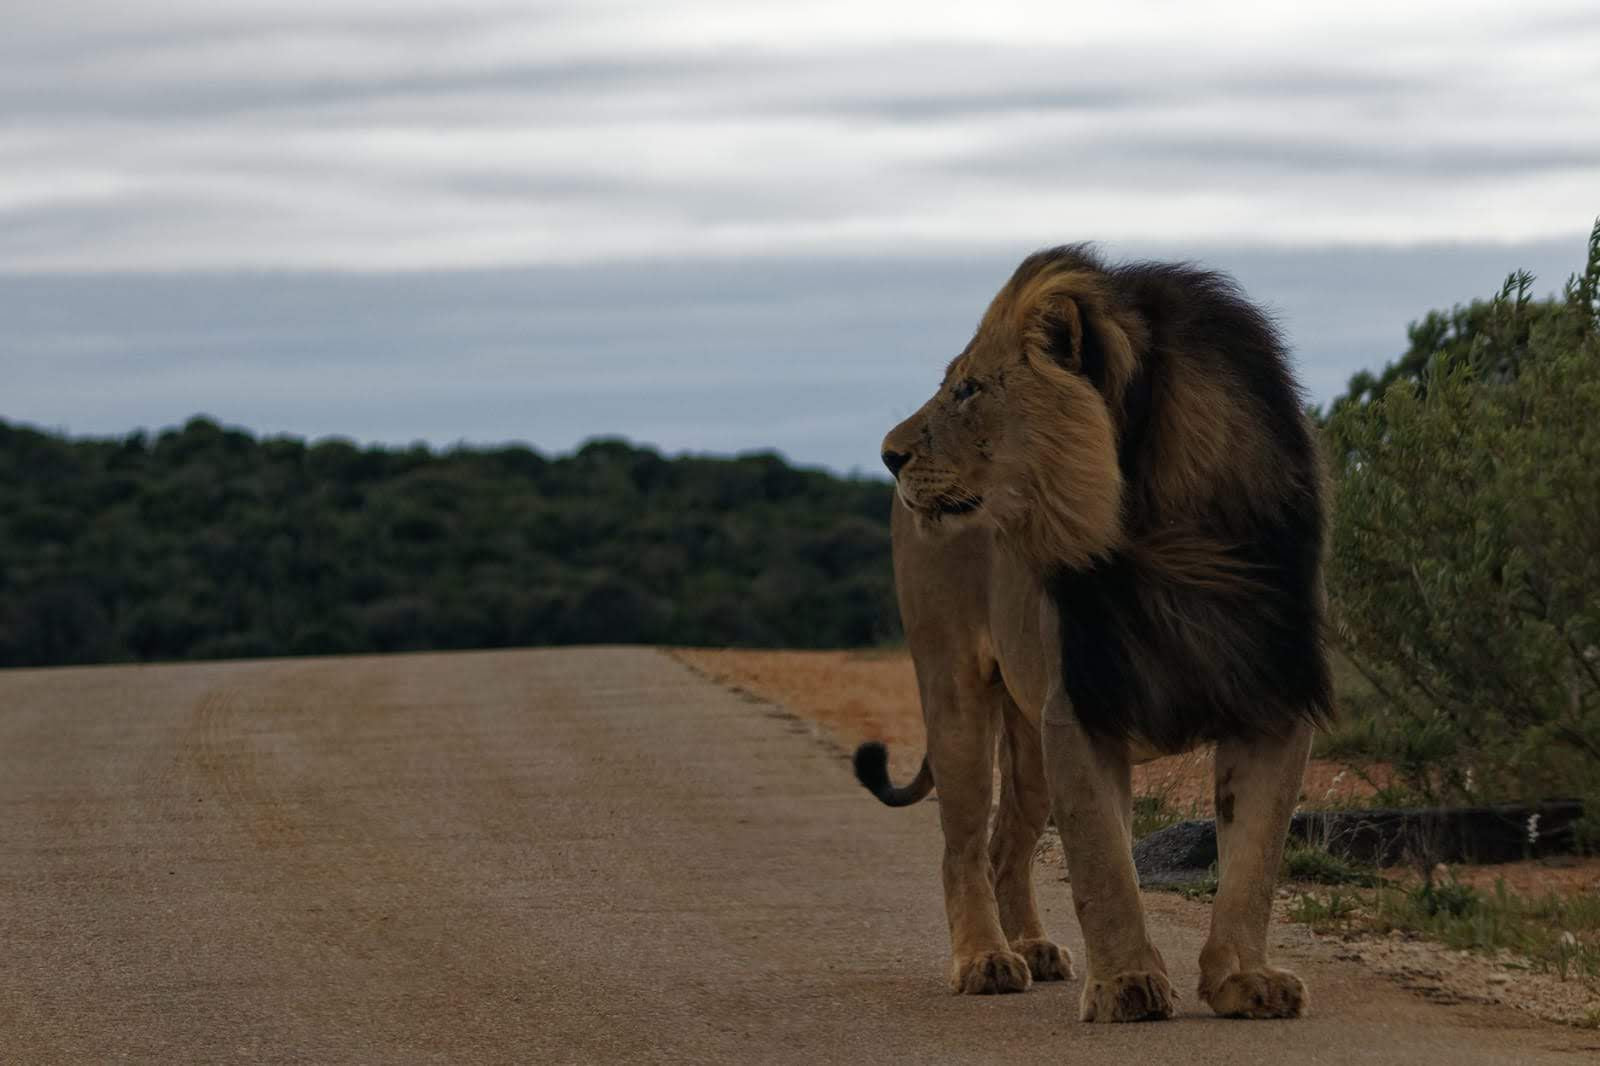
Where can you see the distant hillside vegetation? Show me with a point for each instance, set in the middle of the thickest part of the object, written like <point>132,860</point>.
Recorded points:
<point>208,542</point>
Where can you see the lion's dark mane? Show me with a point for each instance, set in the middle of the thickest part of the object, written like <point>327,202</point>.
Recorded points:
<point>1151,651</point>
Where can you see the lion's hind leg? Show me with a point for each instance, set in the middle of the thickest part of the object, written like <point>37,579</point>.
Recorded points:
<point>1019,822</point>
<point>962,718</point>
<point>1257,785</point>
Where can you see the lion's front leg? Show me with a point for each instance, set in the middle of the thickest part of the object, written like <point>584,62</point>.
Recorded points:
<point>1091,793</point>
<point>961,716</point>
<point>1257,785</point>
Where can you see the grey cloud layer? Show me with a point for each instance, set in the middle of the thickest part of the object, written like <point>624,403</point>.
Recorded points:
<point>723,224</point>
<point>359,135</point>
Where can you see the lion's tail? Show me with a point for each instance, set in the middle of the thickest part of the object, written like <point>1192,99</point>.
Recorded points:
<point>872,770</point>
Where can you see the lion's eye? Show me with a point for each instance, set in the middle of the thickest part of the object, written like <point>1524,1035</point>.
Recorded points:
<point>965,390</point>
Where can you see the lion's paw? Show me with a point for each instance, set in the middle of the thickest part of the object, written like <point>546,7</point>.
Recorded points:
<point>1127,997</point>
<point>989,973</point>
<point>1047,960</point>
<point>1258,994</point>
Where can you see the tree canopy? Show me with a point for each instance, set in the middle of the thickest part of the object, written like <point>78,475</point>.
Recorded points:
<point>208,542</point>
<point>1464,563</point>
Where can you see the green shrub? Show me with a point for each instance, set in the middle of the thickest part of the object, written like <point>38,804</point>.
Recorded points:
<point>1323,912</point>
<point>1153,811</point>
<point>1305,863</point>
<point>1447,897</point>
<point>1464,565</point>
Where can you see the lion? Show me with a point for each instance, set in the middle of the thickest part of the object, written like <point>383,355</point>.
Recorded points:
<point>1108,539</point>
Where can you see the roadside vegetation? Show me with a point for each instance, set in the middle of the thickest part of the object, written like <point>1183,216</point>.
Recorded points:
<point>1153,812</point>
<point>1464,565</point>
<point>1554,933</point>
<point>207,542</point>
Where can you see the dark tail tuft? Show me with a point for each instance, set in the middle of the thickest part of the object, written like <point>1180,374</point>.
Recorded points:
<point>872,770</point>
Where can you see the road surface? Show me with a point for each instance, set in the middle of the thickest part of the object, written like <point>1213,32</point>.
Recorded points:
<point>565,856</point>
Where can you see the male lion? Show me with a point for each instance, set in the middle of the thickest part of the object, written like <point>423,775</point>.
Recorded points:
<point>1107,546</point>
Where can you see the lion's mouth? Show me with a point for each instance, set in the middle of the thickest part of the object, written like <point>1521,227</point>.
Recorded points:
<point>939,505</point>
<point>949,505</point>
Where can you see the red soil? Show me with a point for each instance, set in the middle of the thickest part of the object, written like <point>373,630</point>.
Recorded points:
<point>872,695</point>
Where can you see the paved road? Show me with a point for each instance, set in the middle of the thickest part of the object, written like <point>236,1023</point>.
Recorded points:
<point>530,857</point>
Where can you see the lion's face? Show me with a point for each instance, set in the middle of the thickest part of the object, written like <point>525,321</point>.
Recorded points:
<point>943,457</point>
<point>1020,432</point>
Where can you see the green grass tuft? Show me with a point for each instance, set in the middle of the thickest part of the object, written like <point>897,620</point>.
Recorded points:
<point>1556,934</point>
<point>1307,863</point>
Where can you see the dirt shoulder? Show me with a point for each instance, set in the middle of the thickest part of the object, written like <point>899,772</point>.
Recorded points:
<point>872,695</point>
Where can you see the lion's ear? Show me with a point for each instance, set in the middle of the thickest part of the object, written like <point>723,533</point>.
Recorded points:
<point>1062,330</point>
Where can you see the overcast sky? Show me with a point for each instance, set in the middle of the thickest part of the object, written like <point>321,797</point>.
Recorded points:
<point>720,226</point>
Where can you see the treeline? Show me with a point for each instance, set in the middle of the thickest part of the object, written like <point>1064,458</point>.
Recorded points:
<point>207,542</point>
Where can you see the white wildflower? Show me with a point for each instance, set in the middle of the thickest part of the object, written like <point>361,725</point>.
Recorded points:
<point>1568,940</point>
<point>1533,828</point>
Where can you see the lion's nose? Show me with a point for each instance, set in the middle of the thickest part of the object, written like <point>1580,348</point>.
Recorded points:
<point>895,460</point>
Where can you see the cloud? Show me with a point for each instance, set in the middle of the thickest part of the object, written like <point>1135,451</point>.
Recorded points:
<point>349,134</point>
<point>728,223</point>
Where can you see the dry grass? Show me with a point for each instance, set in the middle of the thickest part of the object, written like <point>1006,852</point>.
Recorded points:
<point>872,695</point>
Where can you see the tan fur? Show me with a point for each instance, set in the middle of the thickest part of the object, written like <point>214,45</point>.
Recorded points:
<point>1036,450</point>
<point>1217,450</point>
<point>1052,458</point>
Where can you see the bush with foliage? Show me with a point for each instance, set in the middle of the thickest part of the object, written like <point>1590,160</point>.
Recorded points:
<point>1464,565</point>
<point>206,542</point>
